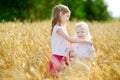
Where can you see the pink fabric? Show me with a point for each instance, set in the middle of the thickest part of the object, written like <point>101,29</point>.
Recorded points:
<point>55,66</point>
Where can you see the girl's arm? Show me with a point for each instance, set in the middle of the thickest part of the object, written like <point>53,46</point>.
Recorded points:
<point>70,39</point>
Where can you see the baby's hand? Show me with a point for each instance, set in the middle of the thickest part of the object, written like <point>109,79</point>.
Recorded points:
<point>68,50</point>
<point>71,55</point>
<point>93,54</point>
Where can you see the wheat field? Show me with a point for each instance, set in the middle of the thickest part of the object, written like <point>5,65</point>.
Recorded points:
<point>25,51</point>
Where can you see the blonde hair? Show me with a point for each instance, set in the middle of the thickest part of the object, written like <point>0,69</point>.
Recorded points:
<point>85,26</point>
<point>55,15</point>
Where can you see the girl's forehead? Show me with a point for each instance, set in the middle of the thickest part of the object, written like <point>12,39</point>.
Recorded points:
<point>67,13</point>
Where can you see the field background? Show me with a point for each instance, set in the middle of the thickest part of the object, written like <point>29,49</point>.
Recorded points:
<point>25,51</point>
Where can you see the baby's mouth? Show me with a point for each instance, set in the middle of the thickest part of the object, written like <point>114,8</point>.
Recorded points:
<point>80,36</point>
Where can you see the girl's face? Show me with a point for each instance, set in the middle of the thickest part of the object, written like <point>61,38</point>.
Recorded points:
<point>64,17</point>
<point>81,32</point>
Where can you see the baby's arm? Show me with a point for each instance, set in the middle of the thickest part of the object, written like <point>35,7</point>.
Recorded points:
<point>69,50</point>
<point>70,54</point>
<point>93,53</point>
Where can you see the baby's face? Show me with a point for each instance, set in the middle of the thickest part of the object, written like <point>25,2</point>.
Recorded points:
<point>81,32</point>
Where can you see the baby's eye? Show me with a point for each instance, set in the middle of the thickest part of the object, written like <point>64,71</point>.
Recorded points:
<point>77,32</point>
<point>82,31</point>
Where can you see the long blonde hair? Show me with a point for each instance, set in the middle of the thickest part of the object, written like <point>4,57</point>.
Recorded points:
<point>55,15</point>
<point>86,27</point>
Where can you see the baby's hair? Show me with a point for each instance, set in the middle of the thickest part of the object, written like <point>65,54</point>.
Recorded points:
<point>56,11</point>
<point>85,26</point>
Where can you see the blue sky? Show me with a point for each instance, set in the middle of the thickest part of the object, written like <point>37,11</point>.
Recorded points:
<point>114,7</point>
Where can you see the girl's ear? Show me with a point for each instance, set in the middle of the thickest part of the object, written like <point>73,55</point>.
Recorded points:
<point>60,13</point>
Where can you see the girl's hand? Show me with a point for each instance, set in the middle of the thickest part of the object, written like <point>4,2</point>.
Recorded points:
<point>87,42</point>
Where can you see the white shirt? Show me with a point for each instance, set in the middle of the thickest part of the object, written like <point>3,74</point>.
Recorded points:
<point>83,50</point>
<point>58,43</point>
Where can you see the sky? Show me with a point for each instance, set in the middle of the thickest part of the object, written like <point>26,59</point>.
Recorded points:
<point>114,7</point>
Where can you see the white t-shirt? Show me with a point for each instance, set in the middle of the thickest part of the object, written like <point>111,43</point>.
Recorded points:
<point>58,43</point>
<point>83,50</point>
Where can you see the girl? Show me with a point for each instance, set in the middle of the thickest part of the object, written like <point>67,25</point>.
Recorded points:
<point>84,51</point>
<point>60,38</point>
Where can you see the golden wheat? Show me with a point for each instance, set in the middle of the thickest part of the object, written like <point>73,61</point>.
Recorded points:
<point>25,51</point>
